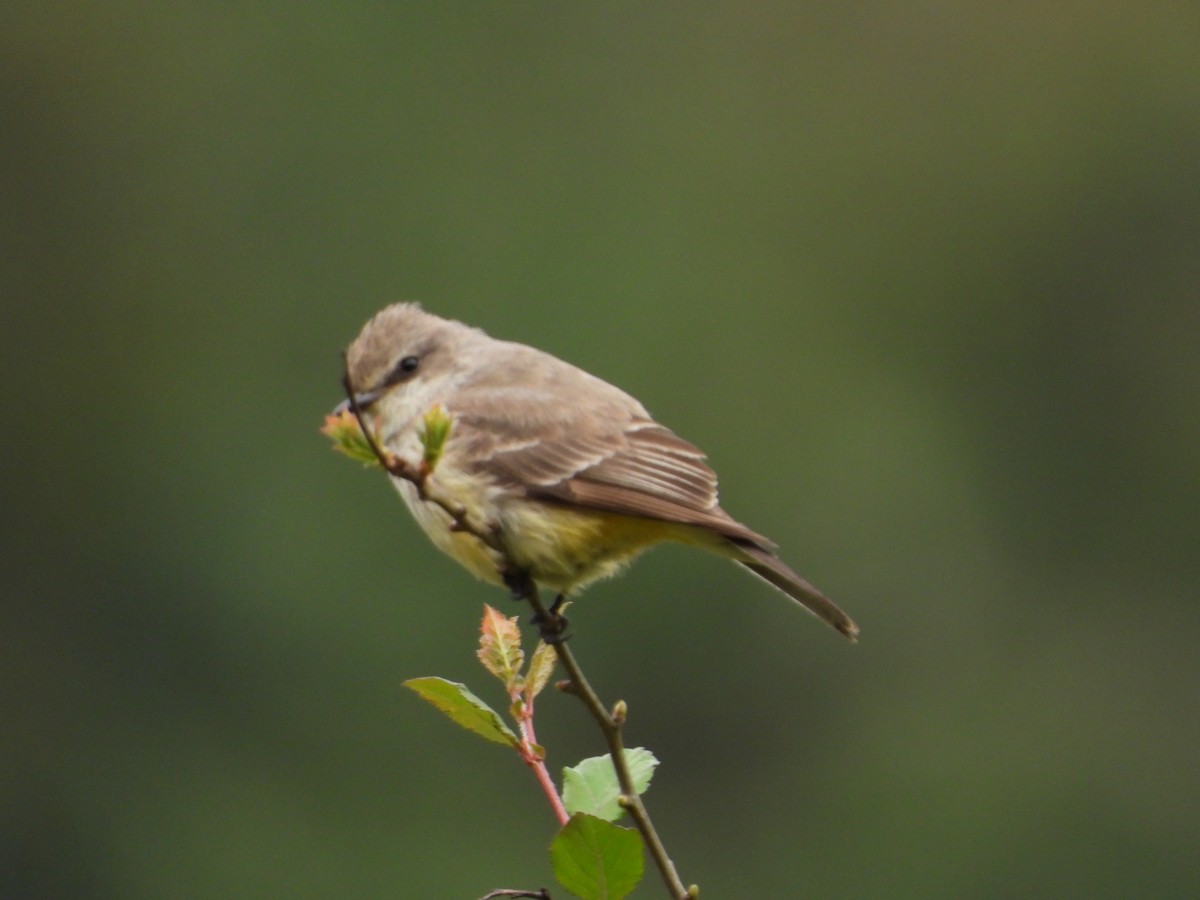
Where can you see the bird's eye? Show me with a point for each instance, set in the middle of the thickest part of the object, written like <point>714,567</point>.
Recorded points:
<point>403,369</point>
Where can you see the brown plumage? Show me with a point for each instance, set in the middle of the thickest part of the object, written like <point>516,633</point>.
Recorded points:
<point>553,454</point>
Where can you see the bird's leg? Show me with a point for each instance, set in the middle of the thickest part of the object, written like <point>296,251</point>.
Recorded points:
<point>519,583</point>
<point>553,624</point>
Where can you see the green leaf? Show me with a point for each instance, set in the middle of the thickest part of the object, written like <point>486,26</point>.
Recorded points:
<point>541,667</point>
<point>464,708</point>
<point>596,860</point>
<point>592,786</point>
<point>348,438</point>
<point>434,435</point>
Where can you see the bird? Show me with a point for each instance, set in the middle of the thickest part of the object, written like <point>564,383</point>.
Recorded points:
<point>572,474</point>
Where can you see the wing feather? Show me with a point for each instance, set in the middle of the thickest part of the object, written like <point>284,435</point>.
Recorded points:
<point>607,454</point>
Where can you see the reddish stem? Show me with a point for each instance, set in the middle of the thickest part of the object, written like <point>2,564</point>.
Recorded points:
<point>534,760</point>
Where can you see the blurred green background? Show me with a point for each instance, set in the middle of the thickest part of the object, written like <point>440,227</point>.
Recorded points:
<point>923,280</point>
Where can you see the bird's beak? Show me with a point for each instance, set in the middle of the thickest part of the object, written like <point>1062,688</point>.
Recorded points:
<point>364,399</point>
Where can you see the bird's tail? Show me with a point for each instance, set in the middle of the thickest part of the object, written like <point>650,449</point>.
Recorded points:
<point>771,569</point>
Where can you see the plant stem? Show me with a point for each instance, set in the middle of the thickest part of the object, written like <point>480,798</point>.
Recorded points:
<point>535,761</point>
<point>611,729</point>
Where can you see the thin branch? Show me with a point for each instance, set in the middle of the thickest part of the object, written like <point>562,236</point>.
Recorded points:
<point>419,476</point>
<point>533,757</point>
<point>552,626</point>
<point>549,788</point>
<point>540,894</point>
<point>610,726</point>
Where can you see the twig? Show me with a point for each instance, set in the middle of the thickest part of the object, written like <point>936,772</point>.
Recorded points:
<point>610,725</point>
<point>552,626</point>
<point>419,476</point>
<point>541,894</point>
<point>535,759</point>
<point>546,783</point>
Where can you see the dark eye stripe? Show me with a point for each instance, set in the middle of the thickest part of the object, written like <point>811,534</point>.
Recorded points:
<point>403,369</point>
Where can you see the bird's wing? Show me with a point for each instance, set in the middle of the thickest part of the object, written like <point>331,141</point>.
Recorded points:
<point>607,454</point>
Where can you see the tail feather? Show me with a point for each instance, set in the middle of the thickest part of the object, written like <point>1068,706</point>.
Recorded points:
<point>771,569</point>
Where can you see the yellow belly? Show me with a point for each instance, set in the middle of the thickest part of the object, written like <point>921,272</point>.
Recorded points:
<point>562,548</point>
<point>567,548</point>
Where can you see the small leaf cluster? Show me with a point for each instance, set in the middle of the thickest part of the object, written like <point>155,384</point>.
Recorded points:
<point>342,428</point>
<point>434,434</point>
<point>592,857</point>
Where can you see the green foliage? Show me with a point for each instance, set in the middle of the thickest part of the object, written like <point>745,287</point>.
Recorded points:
<point>348,438</point>
<point>596,860</point>
<point>457,702</point>
<point>592,786</point>
<point>541,667</point>
<point>434,434</point>
<point>592,858</point>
